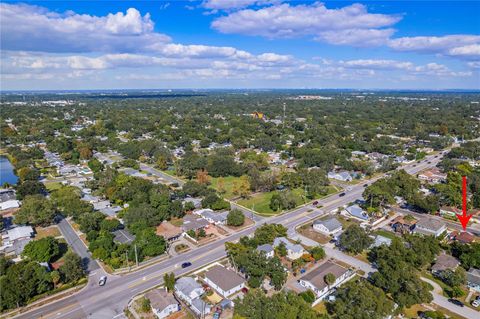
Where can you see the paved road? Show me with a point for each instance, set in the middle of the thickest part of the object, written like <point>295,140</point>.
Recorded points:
<point>156,172</point>
<point>77,245</point>
<point>108,301</point>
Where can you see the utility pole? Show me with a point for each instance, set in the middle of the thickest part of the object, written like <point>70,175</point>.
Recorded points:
<point>284,108</point>
<point>136,255</point>
<point>126,258</point>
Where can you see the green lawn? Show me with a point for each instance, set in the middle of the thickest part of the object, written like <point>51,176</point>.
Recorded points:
<point>53,186</point>
<point>228,185</point>
<point>385,233</point>
<point>261,202</point>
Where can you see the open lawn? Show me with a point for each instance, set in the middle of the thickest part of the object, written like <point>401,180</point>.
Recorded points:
<point>52,186</point>
<point>47,231</point>
<point>385,233</point>
<point>228,183</point>
<point>261,202</point>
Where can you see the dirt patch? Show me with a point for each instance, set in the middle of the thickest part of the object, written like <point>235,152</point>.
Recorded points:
<point>307,231</point>
<point>43,232</point>
<point>248,222</point>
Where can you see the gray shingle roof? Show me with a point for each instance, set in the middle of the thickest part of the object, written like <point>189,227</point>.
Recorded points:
<point>224,278</point>
<point>331,223</point>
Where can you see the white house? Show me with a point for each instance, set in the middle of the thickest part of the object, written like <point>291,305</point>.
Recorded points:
<point>213,217</point>
<point>266,249</point>
<point>329,226</point>
<point>225,281</point>
<point>9,204</point>
<point>315,280</point>
<point>187,289</point>
<point>162,303</point>
<point>341,176</point>
<point>430,227</point>
<point>294,251</point>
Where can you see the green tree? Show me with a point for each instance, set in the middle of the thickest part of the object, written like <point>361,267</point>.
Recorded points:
<point>329,279</point>
<point>355,239</point>
<point>72,269</point>
<point>169,281</point>
<point>317,253</point>
<point>235,218</point>
<point>359,299</point>
<point>42,250</point>
<point>36,210</point>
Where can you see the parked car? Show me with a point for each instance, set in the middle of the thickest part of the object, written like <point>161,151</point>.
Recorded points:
<point>186,264</point>
<point>102,281</point>
<point>456,302</point>
<point>476,303</point>
<point>341,194</point>
<point>365,185</point>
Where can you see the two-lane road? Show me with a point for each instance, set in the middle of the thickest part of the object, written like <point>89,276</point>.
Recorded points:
<point>109,301</point>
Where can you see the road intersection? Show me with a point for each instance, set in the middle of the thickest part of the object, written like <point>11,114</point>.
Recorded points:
<point>109,301</point>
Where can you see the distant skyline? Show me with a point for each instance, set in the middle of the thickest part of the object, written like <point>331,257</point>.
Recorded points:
<point>88,45</point>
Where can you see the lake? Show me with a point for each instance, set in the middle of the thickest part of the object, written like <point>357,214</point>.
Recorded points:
<point>6,172</point>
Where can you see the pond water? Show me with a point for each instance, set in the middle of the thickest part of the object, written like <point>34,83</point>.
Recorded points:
<point>6,172</point>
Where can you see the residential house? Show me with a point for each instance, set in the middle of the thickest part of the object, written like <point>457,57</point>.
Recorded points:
<point>193,222</point>
<point>430,227</point>
<point>381,240</point>
<point>403,225</point>
<point>7,194</point>
<point>329,226</point>
<point>433,175</point>
<point>9,204</point>
<point>357,212</point>
<point>123,236</point>
<point>197,202</point>
<point>110,211</point>
<point>473,279</point>
<point>225,281</point>
<point>187,289</point>
<point>15,239</point>
<point>315,279</point>
<point>462,237</point>
<point>294,251</point>
<point>343,176</point>
<point>162,303</point>
<point>169,231</point>
<point>266,249</point>
<point>213,217</point>
<point>444,262</point>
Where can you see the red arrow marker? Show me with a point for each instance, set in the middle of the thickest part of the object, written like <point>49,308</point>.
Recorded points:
<point>464,218</point>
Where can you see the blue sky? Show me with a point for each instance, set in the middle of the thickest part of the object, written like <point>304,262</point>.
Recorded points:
<point>239,44</point>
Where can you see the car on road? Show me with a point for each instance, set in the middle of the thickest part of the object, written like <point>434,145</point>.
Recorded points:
<point>102,281</point>
<point>456,302</point>
<point>341,194</point>
<point>315,203</point>
<point>414,165</point>
<point>429,162</point>
<point>186,264</point>
<point>365,185</point>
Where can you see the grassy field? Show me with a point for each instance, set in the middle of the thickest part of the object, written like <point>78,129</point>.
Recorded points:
<point>52,186</point>
<point>385,233</point>
<point>228,183</point>
<point>47,231</point>
<point>261,202</point>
